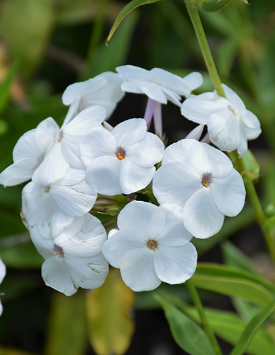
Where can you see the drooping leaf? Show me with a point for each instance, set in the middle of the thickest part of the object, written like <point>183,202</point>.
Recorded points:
<point>252,328</point>
<point>108,310</point>
<point>125,11</point>
<point>67,327</point>
<point>187,334</point>
<point>233,282</point>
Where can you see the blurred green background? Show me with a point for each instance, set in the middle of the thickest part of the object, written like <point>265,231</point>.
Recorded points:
<point>45,45</point>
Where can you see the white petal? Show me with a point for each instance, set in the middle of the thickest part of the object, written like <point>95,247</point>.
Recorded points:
<point>18,172</point>
<point>129,132</point>
<point>152,90</point>
<point>147,219</point>
<point>64,227</point>
<point>133,177</point>
<point>138,271</point>
<point>81,89</point>
<point>34,144</point>
<point>148,152</point>
<point>88,273</point>
<point>97,143</point>
<point>131,72</point>
<point>195,133</point>
<point>103,175</point>
<point>175,183</point>
<point>86,120</point>
<point>2,271</point>
<point>219,163</point>
<point>53,167</point>
<point>201,216</point>
<point>173,232</point>
<point>229,194</point>
<point>252,125</point>
<point>56,275</point>
<point>75,200</point>
<point>234,99</point>
<point>1,308</point>
<point>175,265</point>
<point>71,151</point>
<point>193,81</point>
<point>122,241</point>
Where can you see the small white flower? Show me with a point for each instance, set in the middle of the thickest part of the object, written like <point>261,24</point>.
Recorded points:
<point>103,90</point>
<point>158,84</point>
<point>202,180</point>
<point>29,152</point>
<point>74,262</point>
<point>121,161</point>
<point>61,200</point>
<point>229,123</point>
<point>151,246</point>
<point>2,275</point>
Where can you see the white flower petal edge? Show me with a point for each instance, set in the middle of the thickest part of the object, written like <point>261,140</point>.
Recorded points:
<point>74,262</point>
<point>2,275</point>
<point>229,123</point>
<point>104,90</point>
<point>29,152</point>
<point>201,180</point>
<point>158,84</point>
<point>147,253</point>
<point>121,161</point>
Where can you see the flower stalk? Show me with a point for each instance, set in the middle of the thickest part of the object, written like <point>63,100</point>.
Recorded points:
<point>204,321</point>
<point>239,162</point>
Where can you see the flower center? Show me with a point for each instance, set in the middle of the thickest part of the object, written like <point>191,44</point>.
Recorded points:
<point>58,251</point>
<point>47,189</point>
<point>232,109</point>
<point>206,179</point>
<point>152,244</point>
<point>60,136</point>
<point>120,153</point>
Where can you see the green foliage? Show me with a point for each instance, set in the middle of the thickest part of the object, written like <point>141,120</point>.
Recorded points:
<point>187,334</point>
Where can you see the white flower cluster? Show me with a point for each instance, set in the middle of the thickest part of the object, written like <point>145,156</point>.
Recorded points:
<point>196,186</point>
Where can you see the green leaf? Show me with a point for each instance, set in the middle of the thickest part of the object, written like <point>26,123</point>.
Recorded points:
<point>187,334</point>
<point>233,282</point>
<point>213,5</point>
<point>234,257</point>
<point>66,331</point>
<point>229,327</point>
<point>5,86</point>
<point>108,58</point>
<point>108,310</point>
<point>125,11</point>
<point>11,351</point>
<point>252,328</point>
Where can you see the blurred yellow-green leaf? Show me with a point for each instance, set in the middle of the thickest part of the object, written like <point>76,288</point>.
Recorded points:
<point>110,322</point>
<point>25,27</point>
<point>10,351</point>
<point>67,327</point>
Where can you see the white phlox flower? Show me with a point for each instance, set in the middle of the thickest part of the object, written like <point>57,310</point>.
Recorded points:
<point>103,90</point>
<point>158,84</point>
<point>121,161</point>
<point>2,275</point>
<point>73,262</point>
<point>201,179</point>
<point>64,151</point>
<point>229,123</point>
<point>29,152</point>
<point>61,200</point>
<point>151,246</point>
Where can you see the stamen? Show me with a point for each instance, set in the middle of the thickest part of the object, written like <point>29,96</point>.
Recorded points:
<point>47,189</point>
<point>206,179</point>
<point>120,153</point>
<point>58,251</point>
<point>232,109</point>
<point>152,244</point>
<point>60,136</point>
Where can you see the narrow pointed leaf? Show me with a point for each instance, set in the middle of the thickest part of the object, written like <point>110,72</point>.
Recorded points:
<point>108,310</point>
<point>187,334</point>
<point>125,11</point>
<point>252,328</point>
<point>6,85</point>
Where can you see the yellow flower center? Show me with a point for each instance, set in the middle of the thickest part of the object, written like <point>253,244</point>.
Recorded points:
<point>152,244</point>
<point>206,180</point>
<point>120,153</point>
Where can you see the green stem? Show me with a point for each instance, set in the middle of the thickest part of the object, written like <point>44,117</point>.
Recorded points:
<point>250,188</point>
<point>204,320</point>
<point>211,67</point>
